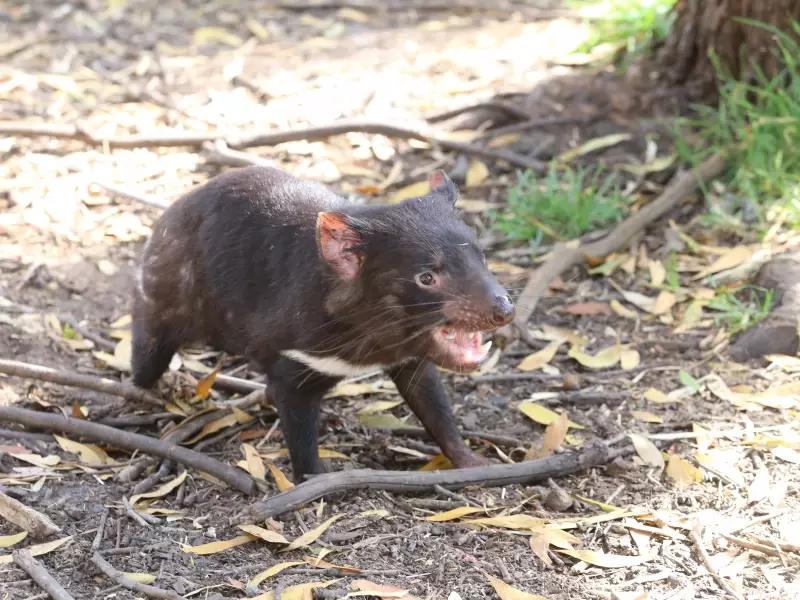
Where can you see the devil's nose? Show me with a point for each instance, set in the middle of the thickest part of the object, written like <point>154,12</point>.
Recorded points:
<point>502,309</point>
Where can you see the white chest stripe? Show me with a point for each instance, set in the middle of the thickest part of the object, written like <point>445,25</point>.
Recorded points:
<point>329,365</point>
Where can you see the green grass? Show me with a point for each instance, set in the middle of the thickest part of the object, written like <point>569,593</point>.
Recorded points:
<point>629,25</point>
<point>757,124</point>
<point>564,205</point>
<point>739,314</point>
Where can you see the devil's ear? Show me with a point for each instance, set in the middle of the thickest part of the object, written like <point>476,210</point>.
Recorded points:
<point>442,185</point>
<point>337,237</point>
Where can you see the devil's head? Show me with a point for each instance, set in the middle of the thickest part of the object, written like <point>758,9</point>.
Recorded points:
<point>413,279</point>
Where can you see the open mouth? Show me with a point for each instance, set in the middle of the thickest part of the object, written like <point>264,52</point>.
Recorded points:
<point>462,348</point>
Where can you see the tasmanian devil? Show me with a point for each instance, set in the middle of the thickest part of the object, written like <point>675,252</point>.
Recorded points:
<point>314,289</point>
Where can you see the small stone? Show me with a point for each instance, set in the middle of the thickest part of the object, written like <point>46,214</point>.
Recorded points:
<point>571,381</point>
<point>558,500</point>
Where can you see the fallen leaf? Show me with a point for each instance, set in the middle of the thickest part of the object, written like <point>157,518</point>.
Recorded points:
<point>6,541</point>
<point>205,384</point>
<point>610,561</point>
<point>257,29</point>
<point>540,358</point>
<point>379,406</point>
<point>682,471</point>
<point>553,334</point>
<point>592,145</point>
<point>162,490</point>
<point>316,561</point>
<point>647,417</point>
<point>664,303</point>
<point>605,358</point>
<point>657,396</point>
<point>553,438</point>
<point>236,417</point>
<point>438,463</point>
<point>507,592</point>
<point>265,534</point>
<point>106,267</point>
<point>37,549</point>
<point>220,545</point>
<point>588,309</point>
<point>89,453</point>
<point>646,303</point>
<point>346,390</point>
<point>732,258</point>
<point>123,322</point>
<point>351,14</point>
<point>622,311</point>
<point>557,537</point>
<point>787,454</point>
<point>454,513</point>
<point>724,462</point>
<point>647,450</point>
<point>539,545</point>
<point>504,140</point>
<point>688,380</point>
<point>629,359</point>
<point>143,578</point>
<point>760,488</point>
<point>255,466</point>
<point>420,188</point>
<point>509,521</point>
<point>543,415</point>
<point>283,483</point>
<point>658,273</point>
<point>310,537</point>
<point>302,591</point>
<point>215,35</point>
<point>477,173</point>
<point>381,421</point>
<point>272,571</point>
<point>121,359</point>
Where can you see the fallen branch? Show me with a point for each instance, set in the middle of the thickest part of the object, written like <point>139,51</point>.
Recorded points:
<point>37,524</point>
<point>218,153</point>
<point>752,545</point>
<point>130,584</point>
<point>87,382</point>
<point>467,434</point>
<point>698,544</point>
<point>594,454</point>
<point>271,138</point>
<point>496,105</point>
<point>140,198</point>
<point>131,441</point>
<point>24,559</point>
<point>101,529</point>
<point>562,257</point>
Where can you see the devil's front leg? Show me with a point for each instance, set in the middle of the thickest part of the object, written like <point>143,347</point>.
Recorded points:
<point>421,387</point>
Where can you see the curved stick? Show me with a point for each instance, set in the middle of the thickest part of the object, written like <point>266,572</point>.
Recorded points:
<point>40,575</point>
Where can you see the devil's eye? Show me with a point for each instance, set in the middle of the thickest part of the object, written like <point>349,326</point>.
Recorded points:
<point>426,278</point>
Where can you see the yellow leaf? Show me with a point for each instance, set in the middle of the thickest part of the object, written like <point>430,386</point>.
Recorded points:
<point>693,313</point>
<point>498,266</point>
<point>6,541</point>
<point>503,140</point>
<point>220,545</point>
<point>162,490</point>
<point>257,29</point>
<point>592,145</point>
<point>629,359</point>
<point>310,537</point>
<point>732,258</point>
<point>540,358</point>
<point>237,417</point>
<point>664,303</point>
<point>121,359</point>
<point>553,438</point>
<point>682,471</point>
<point>507,592</point>
<point>539,545</point>
<point>379,406</point>
<point>610,561</point>
<point>205,384</point>
<point>123,322</point>
<point>461,135</point>
<point>601,505</point>
<point>272,571</point>
<point>351,14</point>
<point>647,450</point>
<point>284,485</point>
<point>623,311</point>
<point>659,397</point>
<point>787,454</point>
<point>316,561</point>
<point>144,578</point>
<point>302,591</point>
<point>558,537</point>
<point>88,453</point>
<point>37,550</point>
<point>215,34</point>
<point>477,173</point>
<point>265,534</point>
<point>723,462</point>
<point>381,421</point>
<point>455,513</point>
<point>438,463</point>
<point>255,466</point>
<point>554,334</point>
<point>639,300</point>
<point>543,415</point>
<point>42,462</point>
<point>605,358</point>
<point>509,521</point>
<point>384,592</point>
<point>657,164</point>
<point>421,188</point>
<point>647,417</point>
<point>343,390</point>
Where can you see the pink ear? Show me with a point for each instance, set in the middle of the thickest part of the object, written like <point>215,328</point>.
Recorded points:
<point>336,237</point>
<point>438,178</point>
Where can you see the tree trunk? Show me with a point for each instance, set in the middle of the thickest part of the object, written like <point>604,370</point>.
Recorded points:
<point>703,26</point>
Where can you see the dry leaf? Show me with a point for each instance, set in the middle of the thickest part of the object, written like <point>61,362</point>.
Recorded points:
<point>272,571</point>
<point>507,592</point>
<point>379,406</point>
<point>553,334</point>
<point>605,358</point>
<point>205,384</point>
<point>540,358</point>
<point>629,359</point>
<point>36,460</point>
<point>89,453</point>
<point>237,417</point>
<point>310,537</point>
<point>657,272</point>
<point>255,466</point>
<point>724,462</point>
<point>557,537</point>
<point>477,173</point>
<point>265,534</point>
<point>283,483</point>
<point>647,417</point>
<point>381,421</point>
<point>647,450</point>
<point>787,454</point>
<point>682,471</point>
<point>659,397</point>
<point>257,29</point>
<point>592,145</point>
<point>732,258</point>
<point>543,415</point>
<point>760,488</point>
<point>454,513</point>
<point>664,303</point>
<point>215,34</point>
<point>351,14</point>
<point>121,359</point>
<point>220,545</point>
<point>6,541</point>
<point>438,463</point>
<point>37,549</point>
<point>359,389</point>
<point>539,545</point>
<point>509,522</point>
<point>162,490</point>
<point>623,311</point>
<point>316,561</point>
<point>553,438</point>
<point>588,309</point>
<point>144,578</point>
<point>610,561</point>
<point>420,188</point>
<point>302,591</point>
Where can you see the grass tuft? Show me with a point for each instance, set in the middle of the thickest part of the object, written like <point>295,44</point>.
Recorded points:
<point>741,314</point>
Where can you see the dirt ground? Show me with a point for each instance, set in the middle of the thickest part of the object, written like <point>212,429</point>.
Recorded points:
<point>69,243</point>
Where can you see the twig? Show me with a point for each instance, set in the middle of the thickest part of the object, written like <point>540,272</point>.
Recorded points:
<point>563,257</point>
<point>272,138</point>
<point>134,586</point>
<point>136,420</point>
<point>497,105</point>
<point>141,199</point>
<point>98,339</point>
<point>237,384</point>
<point>698,544</point>
<point>32,521</point>
<point>132,441</point>
<point>529,124</point>
<point>87,382</point>
<point>218,153</point>
<point>690,435</point>
<point>757,521</point>
<point>784,546</point>
<point>98,538</point>
<point>25,560</point>
<point>503,440</point>
<point>751,545</point>
<point>594,454</point>
<point>138,517</point>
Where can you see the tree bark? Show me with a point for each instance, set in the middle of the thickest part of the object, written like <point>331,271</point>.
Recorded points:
<point>703,26</point>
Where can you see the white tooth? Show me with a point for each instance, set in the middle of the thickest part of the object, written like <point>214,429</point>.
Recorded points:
<point>487,346</point>
<point>450,335</point>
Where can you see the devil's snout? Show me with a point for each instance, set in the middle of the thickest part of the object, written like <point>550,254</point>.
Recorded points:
<point>503,309</point>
